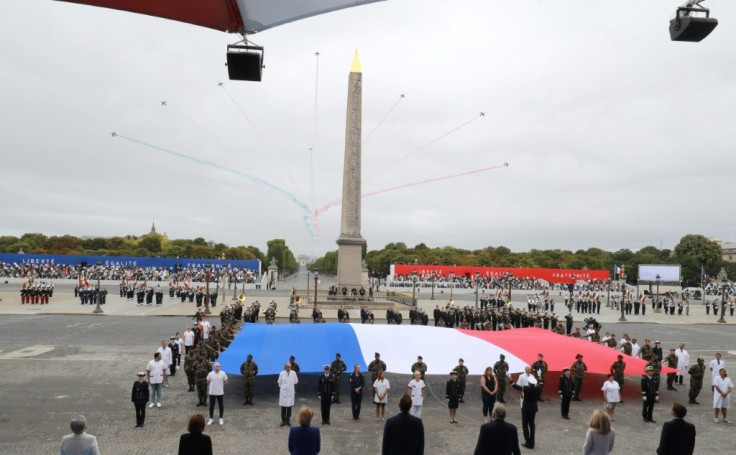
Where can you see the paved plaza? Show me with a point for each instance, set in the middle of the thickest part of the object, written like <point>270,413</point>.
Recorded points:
<point>66,362</point>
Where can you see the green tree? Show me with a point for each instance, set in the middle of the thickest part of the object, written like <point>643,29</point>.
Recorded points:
<point>151,243</point>
<point>278,250</point>
<point>695,251</point>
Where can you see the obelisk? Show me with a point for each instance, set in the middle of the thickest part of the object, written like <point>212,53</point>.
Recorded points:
<point>350,243</point>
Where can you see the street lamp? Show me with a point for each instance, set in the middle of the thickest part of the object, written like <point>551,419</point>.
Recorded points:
<point>316,277</point>
<point>308,277</point>
<point>97,309</point>
<point>477,281</point>
<point>207,271</point>
<point>452,282</point>
<point>235,283</point>
<point>657,307</point>
<point>414,288</point>
<point>623,299</point>
<point>724,290</point>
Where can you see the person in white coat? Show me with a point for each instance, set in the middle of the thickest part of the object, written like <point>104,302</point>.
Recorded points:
<point>287,393</point>
<point>715,366</point>
<point>168,357</point>
<point>723,387</point>
<point>683,360</point>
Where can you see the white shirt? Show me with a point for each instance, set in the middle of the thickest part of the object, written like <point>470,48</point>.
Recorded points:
<point>156,371</point>
<point>612,391</point>
<point>205,329</point>
<point>417,398</point>
<point>189,338</point>
<point>165,355</point>
<point>382,387</point>
<point>216,383</point>
<point>179,342</point>
<point>715,367</point>
<point>635,348</point>
<point>287,392</point>
<point>683,359</point>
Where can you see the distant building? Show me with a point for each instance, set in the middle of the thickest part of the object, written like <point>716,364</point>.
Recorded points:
<point>728,251</point>
<point>153,228</point>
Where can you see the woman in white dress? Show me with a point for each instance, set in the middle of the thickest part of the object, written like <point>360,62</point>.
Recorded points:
<point>287,393</point>
<point>381,388</point>
<point>722,387</point>
<point>611,395</point>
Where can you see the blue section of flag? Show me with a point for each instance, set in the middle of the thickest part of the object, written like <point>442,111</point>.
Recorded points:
<point>616,270</point>
<point>313,345</point>
<point>702,271</point>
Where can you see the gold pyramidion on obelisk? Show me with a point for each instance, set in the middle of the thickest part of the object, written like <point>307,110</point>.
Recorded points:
<point>350,243</point>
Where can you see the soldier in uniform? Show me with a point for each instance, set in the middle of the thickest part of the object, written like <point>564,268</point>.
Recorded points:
<point>500,369</point>
<point>578,369</point>
<point>566,390</point>
<point>671,361</point>
<point>294,366</point>
<point>656,365</point>
<point>326,390</point>
<point>338,367</point>
<point>159,296</point>
<point>452,394</point>
<point>375,366</point>
<point>649,393</point>
<point>540,370</point>
<point>696,373</point>
<point>617,370</point>
<point>202,369</point>
<point>419,366</point>
<point>189,362</point>
<point>249,371</point>
<point>568,323</point>
<point>462,376</point>
<point>646,351</point>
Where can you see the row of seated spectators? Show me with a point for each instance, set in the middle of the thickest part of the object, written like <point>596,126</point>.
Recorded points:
<point>485,282</point>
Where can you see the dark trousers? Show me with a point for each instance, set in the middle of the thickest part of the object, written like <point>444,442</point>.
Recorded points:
<point>578,386</point>
<point>356,400</point>
<point>324,404</point>
<point>488,402</point>
<point>565,406</point>
<point>670,379</point>
<point>220,405</point>
<point>140,413</point>
<point>647,409</point>
<point>528,426</point>
<point>285,414</point>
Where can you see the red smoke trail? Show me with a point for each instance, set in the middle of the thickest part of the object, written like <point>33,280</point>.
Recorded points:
<point>337,202</point>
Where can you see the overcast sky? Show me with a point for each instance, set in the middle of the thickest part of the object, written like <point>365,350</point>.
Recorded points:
<point>616,136</point>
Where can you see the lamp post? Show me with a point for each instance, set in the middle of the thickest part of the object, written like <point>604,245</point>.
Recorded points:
<point>414,288</point>
<point>316,277</point>
<point>657,308</point>
<point>452,282</point>
<point>207,271</point>
<point>235,284</point>
<point>623,299</point>
<point>98,270</point>
<point>724,291</point>
<point>477,281</point>
<point>308,277</point>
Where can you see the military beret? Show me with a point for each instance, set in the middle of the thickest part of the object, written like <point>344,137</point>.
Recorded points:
<point>461,360</point>
<point>378,354</point>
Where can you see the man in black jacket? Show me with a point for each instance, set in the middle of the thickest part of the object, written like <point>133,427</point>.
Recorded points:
<point>566,389</point>
<point>403,433</point>
<point>357,382</point>
<point>678,436</point>
<point>498,437</point>
<point>529,397</point>
<point>139,397</point>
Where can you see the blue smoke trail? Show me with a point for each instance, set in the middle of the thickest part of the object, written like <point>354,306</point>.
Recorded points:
<point>305,208</point>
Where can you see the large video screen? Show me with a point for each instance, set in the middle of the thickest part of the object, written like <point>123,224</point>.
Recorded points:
<point>667,273</point>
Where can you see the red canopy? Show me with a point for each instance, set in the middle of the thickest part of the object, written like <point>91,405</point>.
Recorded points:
<point>223,15</point>
<point>559,351</point>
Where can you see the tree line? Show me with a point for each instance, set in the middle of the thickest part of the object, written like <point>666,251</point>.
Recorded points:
<point>692,252</point>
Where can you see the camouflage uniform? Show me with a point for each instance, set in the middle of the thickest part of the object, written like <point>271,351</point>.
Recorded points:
<point>249,370</point>
<point>578,369</point>
<point>189,361</point>
<point>201,370</point>
<point>672,363</point>
<point>646,352</point>
<point>500,369</point>
<point>617,370</point>
<point>419,366</point>
<point>462,376</point>
<point>374,367</point>
<point>338,367</point>
<point>696,373</point>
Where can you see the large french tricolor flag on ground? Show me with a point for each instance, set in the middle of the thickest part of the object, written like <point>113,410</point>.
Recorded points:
<point>315,345</point>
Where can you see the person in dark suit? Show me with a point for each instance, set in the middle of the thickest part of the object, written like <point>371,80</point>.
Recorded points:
<point>530,392</point>
<point>304,440</point>
<point>649,393</point>
<point>194,442</point>
<point>326,390</point>
<point>139,396</point>
<point>498,437</point>
<point>678,436</point>
<point>403,433</point>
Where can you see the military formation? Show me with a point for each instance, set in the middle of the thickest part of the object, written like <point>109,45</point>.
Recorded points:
<point>36,293</point>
